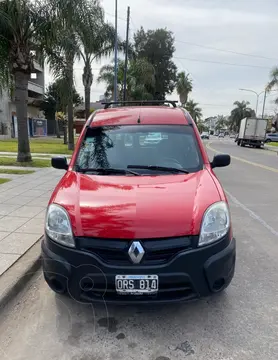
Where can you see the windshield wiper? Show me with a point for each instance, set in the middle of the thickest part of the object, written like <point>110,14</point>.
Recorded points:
<point>159,168</point>
<point>107,171</point>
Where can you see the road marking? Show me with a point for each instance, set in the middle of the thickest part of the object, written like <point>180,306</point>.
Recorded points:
<point>244,160</point>
<point>252,214</point>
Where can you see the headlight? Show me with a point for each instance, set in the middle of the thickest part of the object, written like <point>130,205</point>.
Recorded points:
<point>215,224</point>
<point>57,225</point>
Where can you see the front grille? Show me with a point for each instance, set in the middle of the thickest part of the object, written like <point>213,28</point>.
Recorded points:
<point>169,290</point>
<point>157,251</point>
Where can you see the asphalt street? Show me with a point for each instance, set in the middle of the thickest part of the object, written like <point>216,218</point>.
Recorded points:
<point>240,324</point>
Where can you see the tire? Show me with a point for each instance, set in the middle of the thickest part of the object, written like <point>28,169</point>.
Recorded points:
<point>237,142</point>
<point>242,144</point>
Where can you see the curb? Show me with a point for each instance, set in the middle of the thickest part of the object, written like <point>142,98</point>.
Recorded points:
<point>271,148</point>
<point>17,276</point>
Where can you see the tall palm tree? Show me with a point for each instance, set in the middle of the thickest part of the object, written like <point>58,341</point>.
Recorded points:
<point>194,110</point>
<point>61,56</point>
<point>96,39</point>
<point>183,86</point>
<point>241,111</point>
<point>24,30</point>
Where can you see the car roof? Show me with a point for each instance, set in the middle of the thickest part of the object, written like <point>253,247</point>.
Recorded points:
<point>148,115</point>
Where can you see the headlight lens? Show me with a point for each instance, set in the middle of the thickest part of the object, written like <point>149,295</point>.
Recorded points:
<point>215,224</point>
<point>57,225</point>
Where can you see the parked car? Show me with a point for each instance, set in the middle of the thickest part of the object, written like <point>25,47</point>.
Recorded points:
<point>138,224</point>
<point>221,135</point>
<point>205,135</point>
<point>271,137</point>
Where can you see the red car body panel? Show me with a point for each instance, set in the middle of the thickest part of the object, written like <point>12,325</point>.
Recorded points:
<point>128,207</point>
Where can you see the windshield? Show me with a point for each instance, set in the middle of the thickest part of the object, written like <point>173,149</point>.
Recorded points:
<point>118,147</point>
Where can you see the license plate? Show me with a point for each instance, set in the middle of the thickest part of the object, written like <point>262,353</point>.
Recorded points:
<point>136,284</point>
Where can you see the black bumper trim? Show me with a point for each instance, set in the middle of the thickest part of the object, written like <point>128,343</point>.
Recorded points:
<point>191,274</point>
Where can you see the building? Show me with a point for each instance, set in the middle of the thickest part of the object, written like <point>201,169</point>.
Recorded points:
<point>211,123</point>
<point>8,119</point>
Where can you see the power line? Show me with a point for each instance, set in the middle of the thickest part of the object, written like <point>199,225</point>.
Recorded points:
<point>220,62</point>
<point>208,47</point>
<point>227,51</point>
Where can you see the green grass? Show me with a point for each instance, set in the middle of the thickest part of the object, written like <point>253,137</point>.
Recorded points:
<point>273,143</point>
<point>40,163</point>
<point>3,181</point>
<point>16,172</point>
<point>40,145</point>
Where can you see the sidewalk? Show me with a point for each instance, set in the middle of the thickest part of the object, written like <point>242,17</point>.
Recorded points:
<point>271,148</point>
<point>23,201</point>
<point>8,153</point>
<point>41,156</point>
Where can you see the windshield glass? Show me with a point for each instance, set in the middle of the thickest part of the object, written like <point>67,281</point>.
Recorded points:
<point>145,145</point>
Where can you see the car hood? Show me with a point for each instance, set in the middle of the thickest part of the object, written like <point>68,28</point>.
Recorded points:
<point>130,207</point>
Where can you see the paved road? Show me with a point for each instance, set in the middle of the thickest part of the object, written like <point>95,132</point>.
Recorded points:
<point>241,324</point>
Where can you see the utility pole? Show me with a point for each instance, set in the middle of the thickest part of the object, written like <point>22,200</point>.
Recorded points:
<point>126,51</point>
<point>116,52</point>
<point>264,104</point>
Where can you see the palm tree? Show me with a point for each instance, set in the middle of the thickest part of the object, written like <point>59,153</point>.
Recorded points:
<point>194,110</point>
<point>96,39</point>
<point>221,122</point>
<point>106,75</point>
<point>140,74</point>
<point>66,15</point>
<point>273,81</point>
<point>241,111</point>
<point>183,86</point>
<point>25,31</point>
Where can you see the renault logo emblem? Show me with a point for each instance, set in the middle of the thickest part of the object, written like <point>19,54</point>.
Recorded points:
<point>136,252</point>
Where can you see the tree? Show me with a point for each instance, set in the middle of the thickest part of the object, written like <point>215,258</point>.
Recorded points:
<point>56,101</point>
<point>25,32</point>
<point>194,110</point>
<point>238,113</point>
<point>66,15</point>
<point>140,75</point>
<point>221,122</point>
<point>96,39</point>
<point>157,47</point>
<point>183,86</point>
<point>273,83</point>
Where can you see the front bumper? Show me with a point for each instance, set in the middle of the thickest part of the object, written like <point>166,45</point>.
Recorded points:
<point>189,274</point>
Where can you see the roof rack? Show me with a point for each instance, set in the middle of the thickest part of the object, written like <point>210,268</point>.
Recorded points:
<point>140,103</point>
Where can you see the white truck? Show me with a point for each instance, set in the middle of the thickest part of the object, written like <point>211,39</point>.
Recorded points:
<point>252,132</point>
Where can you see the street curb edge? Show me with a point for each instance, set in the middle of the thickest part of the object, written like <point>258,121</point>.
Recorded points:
<point>20,273</point>
<point>271,149</point>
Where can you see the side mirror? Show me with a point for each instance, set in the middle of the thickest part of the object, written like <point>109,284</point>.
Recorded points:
<point>60,163</point>
<point>221,160</point>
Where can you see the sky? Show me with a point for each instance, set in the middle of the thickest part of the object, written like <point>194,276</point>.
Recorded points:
<point>211,38</point>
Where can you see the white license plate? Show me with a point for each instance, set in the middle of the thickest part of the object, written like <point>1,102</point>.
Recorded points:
<point>136,284</point>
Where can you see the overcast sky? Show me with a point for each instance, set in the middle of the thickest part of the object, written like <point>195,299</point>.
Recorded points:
<point>236,26</point>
